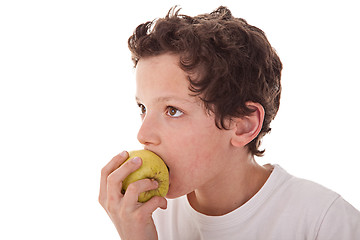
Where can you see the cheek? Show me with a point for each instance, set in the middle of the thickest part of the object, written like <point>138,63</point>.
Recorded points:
<point>194,148</point>
<point>193,157</point>
<point>196,137</point>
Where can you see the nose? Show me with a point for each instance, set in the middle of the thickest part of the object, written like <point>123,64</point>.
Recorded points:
<point>149,132</point>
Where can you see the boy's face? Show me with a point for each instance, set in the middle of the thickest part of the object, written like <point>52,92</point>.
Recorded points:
<point>177,127</point>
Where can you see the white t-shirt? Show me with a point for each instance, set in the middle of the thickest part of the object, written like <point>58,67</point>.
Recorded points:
<point>285,208</point>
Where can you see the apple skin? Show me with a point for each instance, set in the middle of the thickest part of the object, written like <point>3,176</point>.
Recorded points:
<point>153,167</point>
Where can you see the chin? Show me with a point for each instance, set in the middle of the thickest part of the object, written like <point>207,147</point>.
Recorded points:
<point>171,194</point>
<point>174,193</point>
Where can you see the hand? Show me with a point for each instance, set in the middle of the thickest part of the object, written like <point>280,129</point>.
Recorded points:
<point>132,219</point>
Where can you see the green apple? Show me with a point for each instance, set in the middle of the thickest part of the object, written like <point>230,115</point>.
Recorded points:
<point>153,167</point>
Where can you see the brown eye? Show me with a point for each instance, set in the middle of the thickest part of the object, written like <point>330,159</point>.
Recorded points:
<point>173,112</point>
<point>142,108</point>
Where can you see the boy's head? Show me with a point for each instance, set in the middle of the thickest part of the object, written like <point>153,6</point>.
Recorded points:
<point>229,62</point>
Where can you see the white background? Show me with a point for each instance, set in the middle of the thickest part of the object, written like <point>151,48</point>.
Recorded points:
<point>67,102</point>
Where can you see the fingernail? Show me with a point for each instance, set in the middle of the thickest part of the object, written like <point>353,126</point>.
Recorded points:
<point>123,154</point>
<point>136,160</point>
<point>156,184</point>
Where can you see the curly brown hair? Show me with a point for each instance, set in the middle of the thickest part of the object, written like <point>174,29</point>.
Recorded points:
<point>235,62</point>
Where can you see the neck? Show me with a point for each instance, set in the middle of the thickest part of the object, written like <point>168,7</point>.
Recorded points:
<point>231,188</point>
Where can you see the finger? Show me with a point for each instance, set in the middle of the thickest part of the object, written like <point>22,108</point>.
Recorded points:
<point>114,163</point>
<point>107,170</point>
<point>114,180</point>
<point>155,202</point>
<point>134,189</point>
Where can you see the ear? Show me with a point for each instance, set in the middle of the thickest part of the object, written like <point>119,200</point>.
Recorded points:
<point>246,128</point>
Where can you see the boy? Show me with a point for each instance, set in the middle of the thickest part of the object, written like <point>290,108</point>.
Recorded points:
<point>208,88</point>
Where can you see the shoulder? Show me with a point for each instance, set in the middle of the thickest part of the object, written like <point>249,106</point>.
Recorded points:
<point>305,192</point>
<point>303,200</point>
<point>326,214</point>
<point>341,221</point>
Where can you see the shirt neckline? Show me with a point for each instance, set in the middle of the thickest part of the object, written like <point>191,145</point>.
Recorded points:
<point>244,212</point>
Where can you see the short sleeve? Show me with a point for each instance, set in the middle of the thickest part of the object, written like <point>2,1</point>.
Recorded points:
<point>342,221</point>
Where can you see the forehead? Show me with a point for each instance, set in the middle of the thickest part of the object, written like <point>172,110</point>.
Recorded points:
<point>161,73</point>
<point>160,62</point>
<point>160,79</point>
